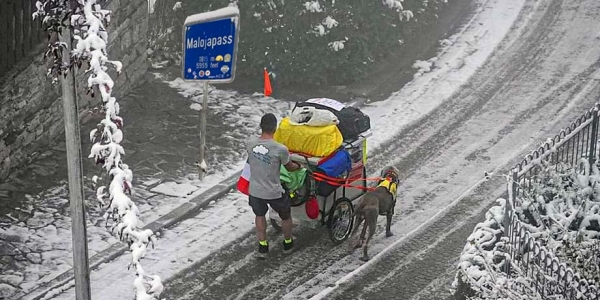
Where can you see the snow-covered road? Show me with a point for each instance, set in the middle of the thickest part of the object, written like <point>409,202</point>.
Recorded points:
<point>540,78</point>
<point>518,72</point>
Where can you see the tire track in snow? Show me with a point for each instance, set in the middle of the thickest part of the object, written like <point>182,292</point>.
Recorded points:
<point>418,258</point>
<point>239,274</point>
<point>279,275</point>
<point>434,171</point>
<point>285,270</point>
<point>440,126</point>
<point>230,271</point>
<point>386,278</point>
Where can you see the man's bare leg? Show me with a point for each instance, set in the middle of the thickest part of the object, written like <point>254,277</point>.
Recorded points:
<point>261,227</point>
<point>286,226</point>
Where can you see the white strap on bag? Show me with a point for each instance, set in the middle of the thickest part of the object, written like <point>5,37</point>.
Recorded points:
<point>301,115</point>
<point>311,116</point>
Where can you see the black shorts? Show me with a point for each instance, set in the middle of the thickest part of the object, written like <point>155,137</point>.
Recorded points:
<point>280,205</point>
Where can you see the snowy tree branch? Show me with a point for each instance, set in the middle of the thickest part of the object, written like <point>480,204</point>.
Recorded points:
<point>88,21</point>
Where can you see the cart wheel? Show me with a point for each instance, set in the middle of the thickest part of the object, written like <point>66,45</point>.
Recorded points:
<point>340,220</point>
<point>276,225</point>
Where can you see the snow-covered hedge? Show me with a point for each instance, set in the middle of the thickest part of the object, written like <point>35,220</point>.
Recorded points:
<point>560,210</point>
<point>309,41</point>
<point>88,21</point>
<point>563,211</point>
<point>480,271</point>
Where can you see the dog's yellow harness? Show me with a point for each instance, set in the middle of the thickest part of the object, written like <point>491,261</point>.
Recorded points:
<point>390,186</point>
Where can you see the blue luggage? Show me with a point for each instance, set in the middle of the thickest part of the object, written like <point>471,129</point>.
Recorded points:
<point>335,165</point>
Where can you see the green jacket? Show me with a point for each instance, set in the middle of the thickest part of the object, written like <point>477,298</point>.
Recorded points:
<point>292,180</point>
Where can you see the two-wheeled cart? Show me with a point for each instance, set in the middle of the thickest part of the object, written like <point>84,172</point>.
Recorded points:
<point>335,197</point>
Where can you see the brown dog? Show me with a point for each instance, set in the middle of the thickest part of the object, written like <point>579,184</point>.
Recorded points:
<point>380,201</point>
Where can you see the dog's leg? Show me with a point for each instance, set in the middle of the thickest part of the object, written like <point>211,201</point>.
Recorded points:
<point>361,238</point>
<point>371,221</point>
<point>359,219</point>
<point>388,231</point>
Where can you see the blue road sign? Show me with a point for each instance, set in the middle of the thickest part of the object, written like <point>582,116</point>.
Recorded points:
<point>210,46</point>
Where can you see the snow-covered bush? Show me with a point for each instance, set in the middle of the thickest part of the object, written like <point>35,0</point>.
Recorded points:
<point>480,269</point>
<point>476,262</point>
<point>309,41</point>
<point>88,21</point>
<point>559,209</point>
<point>562,210</point>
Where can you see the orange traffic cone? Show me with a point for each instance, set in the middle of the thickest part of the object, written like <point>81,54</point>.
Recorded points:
<point>268,90</point>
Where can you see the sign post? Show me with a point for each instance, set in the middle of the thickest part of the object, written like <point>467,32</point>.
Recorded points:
<point>210,42</point>
<point>75,173</point>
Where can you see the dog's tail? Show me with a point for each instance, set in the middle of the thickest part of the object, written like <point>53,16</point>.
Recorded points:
<point>358,210</point>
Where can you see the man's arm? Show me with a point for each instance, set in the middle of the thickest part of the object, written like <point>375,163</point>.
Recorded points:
<point>292,166</point>
<point>287,161</point>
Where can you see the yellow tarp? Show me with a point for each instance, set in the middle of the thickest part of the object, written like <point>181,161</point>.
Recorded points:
<point>311,140</point>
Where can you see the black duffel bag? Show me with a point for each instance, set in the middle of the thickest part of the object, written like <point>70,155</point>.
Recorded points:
<point>352,121</point>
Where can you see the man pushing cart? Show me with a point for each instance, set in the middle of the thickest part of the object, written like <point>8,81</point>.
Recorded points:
<point>323,175</point>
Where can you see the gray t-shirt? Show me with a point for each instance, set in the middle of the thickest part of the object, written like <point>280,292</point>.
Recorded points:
<point>265,157</point>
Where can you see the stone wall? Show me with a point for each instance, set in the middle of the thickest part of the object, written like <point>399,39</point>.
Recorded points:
<point>31,115</point>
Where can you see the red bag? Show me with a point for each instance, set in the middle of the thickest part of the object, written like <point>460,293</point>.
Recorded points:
<point>312,208</point>
<point>243,184</point>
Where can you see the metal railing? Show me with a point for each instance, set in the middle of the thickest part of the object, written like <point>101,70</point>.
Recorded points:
<point>549,276</point>
<point>565,150</point>
<point>596,254</point>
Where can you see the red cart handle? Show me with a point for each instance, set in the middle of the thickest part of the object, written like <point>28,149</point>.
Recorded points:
<point>338,182</point>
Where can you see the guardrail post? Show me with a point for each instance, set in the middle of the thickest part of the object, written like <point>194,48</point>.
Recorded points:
<point>594,140</point>
<point>512,190</point>
<point>511,200</point>
<point>507,215</point>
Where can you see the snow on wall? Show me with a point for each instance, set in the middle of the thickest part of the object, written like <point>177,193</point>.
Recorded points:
<point>30,106</point>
